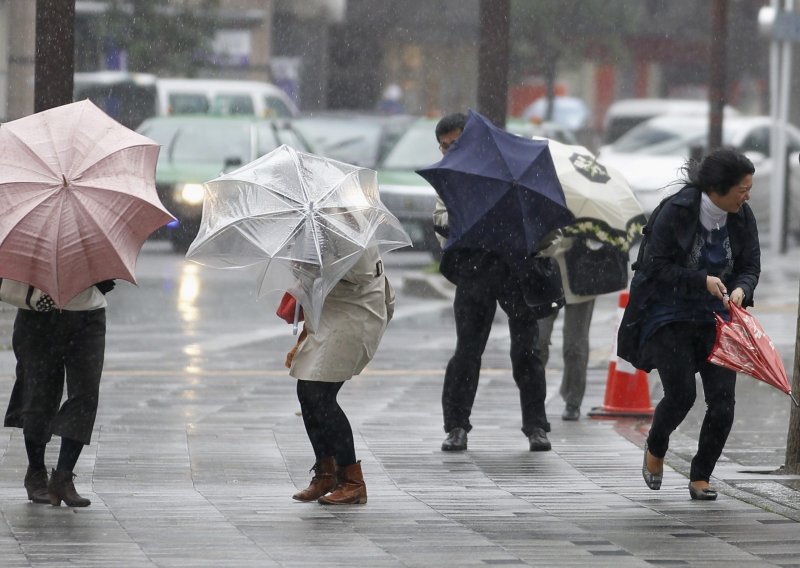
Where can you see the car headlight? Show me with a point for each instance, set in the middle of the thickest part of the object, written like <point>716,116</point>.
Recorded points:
<point>190,193</point>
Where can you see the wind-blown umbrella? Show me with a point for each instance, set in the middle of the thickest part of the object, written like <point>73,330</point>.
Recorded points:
<point>742,346</point>
<point>501,191</point>
<point>603,203</point>
<point>77,199</point>
<point>304,218</point>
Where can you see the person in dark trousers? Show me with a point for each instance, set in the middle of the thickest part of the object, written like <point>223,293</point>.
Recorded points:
<point>702,254</point>
<point>482,281</point>
<point>56,347</point>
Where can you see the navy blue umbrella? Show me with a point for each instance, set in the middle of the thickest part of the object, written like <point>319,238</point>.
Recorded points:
<point>501,191</point>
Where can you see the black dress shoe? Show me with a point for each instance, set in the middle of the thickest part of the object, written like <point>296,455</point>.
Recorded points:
<point>653,480</point>
<point>706,494</point>
<point>456,440</point>
<point>538,441</point>
<point>571,413</point>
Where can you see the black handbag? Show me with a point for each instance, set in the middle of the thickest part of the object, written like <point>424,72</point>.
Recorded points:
<point>593,271</point>
<point>541,286</point>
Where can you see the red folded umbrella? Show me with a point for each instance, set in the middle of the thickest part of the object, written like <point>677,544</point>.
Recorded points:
<point>743,346</point>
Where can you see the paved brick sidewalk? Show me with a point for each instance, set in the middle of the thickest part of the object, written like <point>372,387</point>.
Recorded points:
<point>196,468</point>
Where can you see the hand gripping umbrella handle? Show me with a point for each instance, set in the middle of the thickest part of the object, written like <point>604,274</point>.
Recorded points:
<point>297,319</point>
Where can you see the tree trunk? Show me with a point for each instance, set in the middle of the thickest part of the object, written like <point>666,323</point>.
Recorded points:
<point>793,439</point>
<point>550,86</point>
<point>717,76</point>
<point>493,60</point>
<point>55,53</point>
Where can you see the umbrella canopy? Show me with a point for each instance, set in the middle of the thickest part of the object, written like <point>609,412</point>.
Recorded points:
<point>304,218</point>
<point>742,346</point>
<point>77,199</point>
<point>501,191</point>
<point>603,203</point>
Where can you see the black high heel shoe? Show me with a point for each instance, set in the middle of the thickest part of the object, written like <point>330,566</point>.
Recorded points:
<point>653,480</point>
<point>706,494</point>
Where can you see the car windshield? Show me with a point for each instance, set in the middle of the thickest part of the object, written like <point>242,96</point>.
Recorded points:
<point>356,142</point>
<point>416,149</point>
<point>201,141</point>
<point>273,134</point>
<point>662,140</point>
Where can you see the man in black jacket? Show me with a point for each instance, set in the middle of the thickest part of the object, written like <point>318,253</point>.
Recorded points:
<point>483,280</point>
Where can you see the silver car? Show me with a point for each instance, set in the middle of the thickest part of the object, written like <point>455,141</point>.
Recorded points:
<point>652,154</point>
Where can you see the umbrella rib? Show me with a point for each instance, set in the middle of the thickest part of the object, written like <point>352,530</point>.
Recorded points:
<point>33,153</point>
<point>109,156</point>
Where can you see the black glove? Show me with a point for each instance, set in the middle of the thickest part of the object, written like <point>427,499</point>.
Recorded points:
<point>106,286</point>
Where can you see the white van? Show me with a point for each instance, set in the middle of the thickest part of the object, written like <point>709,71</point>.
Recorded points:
<point>132,97</point>
<point>222,96</point>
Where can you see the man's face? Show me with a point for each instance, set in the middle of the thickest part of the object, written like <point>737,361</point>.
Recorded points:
<point>446,140</point>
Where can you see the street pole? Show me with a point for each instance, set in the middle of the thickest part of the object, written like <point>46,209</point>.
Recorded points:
<point>493,49</point>
<point>792,464</point>
<point>717,73</point>
<point>54,65</point>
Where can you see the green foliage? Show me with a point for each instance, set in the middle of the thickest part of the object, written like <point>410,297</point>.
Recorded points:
<point>162,38</point>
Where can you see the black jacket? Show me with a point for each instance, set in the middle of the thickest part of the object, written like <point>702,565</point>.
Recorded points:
<point>663,271</point>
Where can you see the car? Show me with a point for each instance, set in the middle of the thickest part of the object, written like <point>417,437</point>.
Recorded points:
<point>624,114</point>
<point>224,97</point>
<point>195,149</point>
<point>652,154</point>
<point>355,138</point>
<point>570,112</point>
<point>410,197</point>
<point>132,97</point>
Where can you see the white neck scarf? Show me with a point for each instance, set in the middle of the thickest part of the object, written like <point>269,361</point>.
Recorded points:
<point>711,216</point>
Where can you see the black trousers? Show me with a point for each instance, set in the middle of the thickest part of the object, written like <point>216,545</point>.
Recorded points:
<point>679,351</point>
<point>326,424</point>
<point>474,307</point>
<point>49,347</point>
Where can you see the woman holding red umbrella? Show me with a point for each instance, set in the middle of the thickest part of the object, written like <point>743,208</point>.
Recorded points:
<point>701,254</point>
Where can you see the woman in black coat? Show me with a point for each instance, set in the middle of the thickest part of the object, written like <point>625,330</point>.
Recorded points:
<point>702,254</point>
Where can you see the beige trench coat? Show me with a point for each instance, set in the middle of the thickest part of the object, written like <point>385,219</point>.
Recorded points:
<point>354,316</point>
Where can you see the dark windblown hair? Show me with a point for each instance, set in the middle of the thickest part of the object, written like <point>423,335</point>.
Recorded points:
<point>718,171</point>
<point>454,121</point>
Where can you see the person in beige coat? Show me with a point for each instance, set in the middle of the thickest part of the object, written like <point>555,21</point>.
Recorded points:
<point>354,316</point>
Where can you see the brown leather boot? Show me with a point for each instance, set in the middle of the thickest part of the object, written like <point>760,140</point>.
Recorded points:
<point>61,488</point>
<point>324,480</point>
<point>36,485</point>
<point>350,490</point>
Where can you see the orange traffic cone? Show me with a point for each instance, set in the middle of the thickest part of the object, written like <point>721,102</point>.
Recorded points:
<point>627,391</point>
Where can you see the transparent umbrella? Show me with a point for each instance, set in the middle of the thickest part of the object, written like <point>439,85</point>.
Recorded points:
<point>304,218</point>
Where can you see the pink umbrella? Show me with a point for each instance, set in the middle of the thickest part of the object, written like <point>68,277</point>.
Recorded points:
<point>742,346</point>
<point>77,199</point>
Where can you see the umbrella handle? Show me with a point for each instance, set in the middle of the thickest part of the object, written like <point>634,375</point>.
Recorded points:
<point>794,400</point>
<point>297,319</point>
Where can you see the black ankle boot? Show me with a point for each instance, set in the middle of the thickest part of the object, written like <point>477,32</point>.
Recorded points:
<point>36,485</point>
<point>61,488</point>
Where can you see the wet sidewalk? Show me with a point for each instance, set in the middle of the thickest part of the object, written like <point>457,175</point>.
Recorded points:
<point>192,470</point>
<point>196,467</point>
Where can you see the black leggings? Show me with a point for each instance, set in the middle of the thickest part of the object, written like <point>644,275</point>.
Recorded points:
<point>679,351</point>
<point>326,423</point>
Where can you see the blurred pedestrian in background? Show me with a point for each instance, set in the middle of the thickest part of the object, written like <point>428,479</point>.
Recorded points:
<point>577,319</point>
<point>700,253</point>
<point>354,316</point>
<point>55,347</point>
<point>482,281</point>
